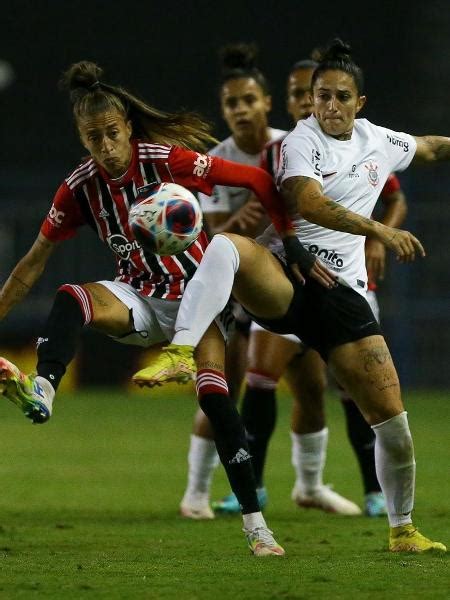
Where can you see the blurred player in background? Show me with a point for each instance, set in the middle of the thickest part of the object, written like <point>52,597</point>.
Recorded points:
<point>246,102</point>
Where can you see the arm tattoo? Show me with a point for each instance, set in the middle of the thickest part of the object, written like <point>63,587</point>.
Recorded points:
<point>438,146</point>
<point>20,281</point>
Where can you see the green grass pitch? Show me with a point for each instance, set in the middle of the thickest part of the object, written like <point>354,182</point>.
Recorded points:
<point>89,501</point>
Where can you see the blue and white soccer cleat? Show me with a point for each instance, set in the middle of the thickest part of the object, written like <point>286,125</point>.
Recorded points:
<point>230,505</point>
<point>375,505</point>
<point>32,394</point>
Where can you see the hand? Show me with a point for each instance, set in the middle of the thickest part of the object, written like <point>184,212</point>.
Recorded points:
<point>403,243</point>
<point>375,259</point>
<point>299,259</point>
<point>249,215</point>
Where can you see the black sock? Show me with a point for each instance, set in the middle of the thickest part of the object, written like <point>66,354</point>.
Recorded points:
<point>57,345</point>
<point>259,414</point>
<point>362,439</point>
<point>229,435</point>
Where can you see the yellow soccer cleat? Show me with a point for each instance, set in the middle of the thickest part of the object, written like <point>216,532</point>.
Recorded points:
<point>174,364</point>
<point>407,538</point>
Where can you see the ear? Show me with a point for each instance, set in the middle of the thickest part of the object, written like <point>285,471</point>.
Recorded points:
<point>129,126</point>
<point>361,102</point>
<point>268,103</point>
<point>82,141</point>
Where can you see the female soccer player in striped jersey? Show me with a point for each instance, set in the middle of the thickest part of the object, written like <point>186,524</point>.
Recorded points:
<point>320,161</point>
<point>132,145</point>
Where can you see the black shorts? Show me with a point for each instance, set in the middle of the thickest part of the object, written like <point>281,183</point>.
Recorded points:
<point>324,318</point>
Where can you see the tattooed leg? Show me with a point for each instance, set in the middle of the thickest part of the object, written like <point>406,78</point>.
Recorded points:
<point>366,370</point>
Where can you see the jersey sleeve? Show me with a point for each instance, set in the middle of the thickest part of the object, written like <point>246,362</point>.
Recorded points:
<point>64,216</point>
<point>202,172</point>
<point>400,148</point>
<point>301,156</point>
<point>392,185</point>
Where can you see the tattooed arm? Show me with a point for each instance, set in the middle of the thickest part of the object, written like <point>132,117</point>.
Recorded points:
<point>432,148</point>
<point>306,196</point>
<point>25,274</point>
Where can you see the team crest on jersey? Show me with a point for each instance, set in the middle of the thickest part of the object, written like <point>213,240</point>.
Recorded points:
<point>122,246</point>
<point>372,173</point>
<point>103,214</point>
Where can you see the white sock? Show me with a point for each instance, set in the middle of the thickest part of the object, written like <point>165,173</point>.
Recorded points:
<point>253,520</point>
<point>396,467</point>
<point>309,452</point>
<point>48,389</point>
<point>207,293</point>
<point>202,460</point>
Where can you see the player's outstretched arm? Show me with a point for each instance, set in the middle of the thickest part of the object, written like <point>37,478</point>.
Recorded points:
<point>25,274</point>
<point>432,148</point>
<point>306,194</point>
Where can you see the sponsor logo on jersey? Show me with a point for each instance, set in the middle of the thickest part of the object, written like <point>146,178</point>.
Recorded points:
<point>315,159</point>
<point>395,141</point>
<point>353,174</point>
<point>122,246</point>
<point>200,165</point>
<point>56,216</point>
<point>283,165</point>
<point>372,173</point>
<point>330,257</point>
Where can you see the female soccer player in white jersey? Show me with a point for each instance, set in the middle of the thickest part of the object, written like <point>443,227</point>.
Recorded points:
<point>131,146</point>
<point>333,166</point>
<point>309,434</point>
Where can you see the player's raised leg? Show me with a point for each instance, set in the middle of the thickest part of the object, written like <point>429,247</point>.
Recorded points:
<point>74,306</point>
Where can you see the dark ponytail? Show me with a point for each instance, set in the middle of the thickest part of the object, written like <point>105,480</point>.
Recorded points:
<point>89,95</point>
<point>240,61</point>
<point>337,56</point>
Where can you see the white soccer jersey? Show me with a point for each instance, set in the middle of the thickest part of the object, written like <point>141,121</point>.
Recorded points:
<point>230,199</point>
<point>352,173</point>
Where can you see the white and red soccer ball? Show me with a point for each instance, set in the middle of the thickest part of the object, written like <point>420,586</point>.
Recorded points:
<point>167,220</point>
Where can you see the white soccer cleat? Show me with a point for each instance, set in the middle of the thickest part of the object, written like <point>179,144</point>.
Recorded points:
<point>325,499</point>
<point>196,506</point>
<point>261,542</point>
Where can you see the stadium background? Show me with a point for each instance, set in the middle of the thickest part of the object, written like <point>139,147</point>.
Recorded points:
<point>168,54</point>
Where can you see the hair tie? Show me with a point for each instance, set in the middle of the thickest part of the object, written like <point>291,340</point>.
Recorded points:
<point>94,86</point>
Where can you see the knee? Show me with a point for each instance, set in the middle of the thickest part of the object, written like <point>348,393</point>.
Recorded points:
<point>261,380</point>
<point>77,296</point>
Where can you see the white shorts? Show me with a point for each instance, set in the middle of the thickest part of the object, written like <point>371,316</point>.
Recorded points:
<point>371,298</point>
<point>153,318</point>
<point>286,336</point>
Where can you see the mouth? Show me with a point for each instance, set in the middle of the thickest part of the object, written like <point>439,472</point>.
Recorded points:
<point>243,123</point>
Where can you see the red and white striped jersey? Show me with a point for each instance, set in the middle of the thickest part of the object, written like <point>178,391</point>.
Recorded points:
<point>89,196</point>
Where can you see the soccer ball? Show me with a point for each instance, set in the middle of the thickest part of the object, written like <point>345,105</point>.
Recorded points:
<point>166,220</point>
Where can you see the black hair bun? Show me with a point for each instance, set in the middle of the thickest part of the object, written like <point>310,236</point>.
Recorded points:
<point>239,56</point>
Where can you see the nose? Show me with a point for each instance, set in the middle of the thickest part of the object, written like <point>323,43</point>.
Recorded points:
<point>107,145</point>
<point>240,107</point>
<point>332,103</point>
